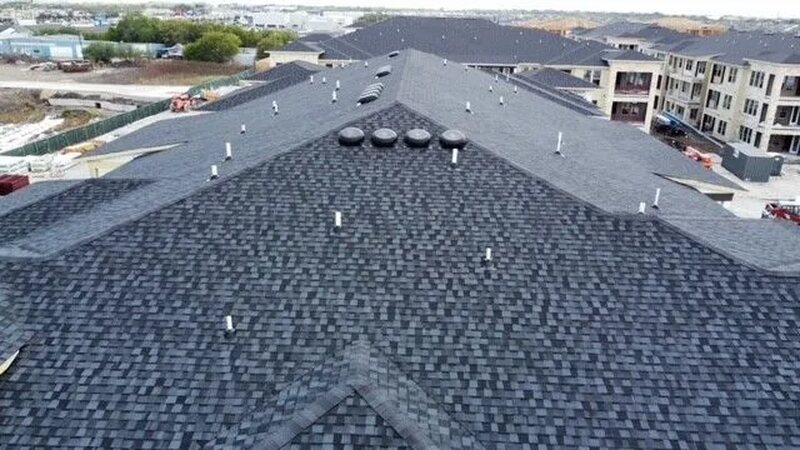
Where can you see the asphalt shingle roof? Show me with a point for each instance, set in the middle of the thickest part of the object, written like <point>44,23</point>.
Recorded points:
<point>273,80</point>
<point>557,79</point>
<point>592,328</point>
<point>735,47</point>
<point>476,41</point>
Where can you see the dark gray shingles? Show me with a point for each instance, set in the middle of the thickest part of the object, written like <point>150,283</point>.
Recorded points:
<point>608,164</point>
<point>465,40</point>
<point>557,79</point>
<point>273,80</point>
<point>48,212</point>
<point>590,331</point>
<point>13,335</point>
<point>735,47</point>
<point>628,55</point>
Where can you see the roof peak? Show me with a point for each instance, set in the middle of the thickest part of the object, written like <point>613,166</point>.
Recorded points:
<point>358,369</point>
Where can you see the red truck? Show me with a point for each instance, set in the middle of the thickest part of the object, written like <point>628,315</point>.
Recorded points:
<point>783,211</point>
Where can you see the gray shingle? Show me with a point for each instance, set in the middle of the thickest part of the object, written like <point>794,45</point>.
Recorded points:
<point>590,330</point>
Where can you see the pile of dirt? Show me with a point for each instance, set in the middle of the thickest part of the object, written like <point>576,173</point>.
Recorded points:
<point>21,106</point>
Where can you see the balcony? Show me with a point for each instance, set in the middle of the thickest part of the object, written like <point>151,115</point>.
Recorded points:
<point>633,84</point>
<point>629,112</point>
<point>790,90</point>
<point>787,117</point>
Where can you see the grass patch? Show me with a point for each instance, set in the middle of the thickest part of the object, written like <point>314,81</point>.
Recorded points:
<point>74,118</point>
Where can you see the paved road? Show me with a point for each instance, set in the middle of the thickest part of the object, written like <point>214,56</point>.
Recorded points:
<point>133,91</point>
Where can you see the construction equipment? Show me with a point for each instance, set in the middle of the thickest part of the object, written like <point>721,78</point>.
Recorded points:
<point>783,210</point>
<point>183,103</point>
<point>704,158</point>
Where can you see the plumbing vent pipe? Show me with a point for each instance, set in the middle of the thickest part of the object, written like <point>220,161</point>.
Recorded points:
<point>515,89</point>
<point>338,85</point>
<point>487,257</point>
<point>229,324</point>
<point>311,79</point>
<point>324,80</point>
<point>366,63</point>
<point>502,101</point>
<point>444,62</point>
<point>333,97</point>
<point>214,172</point>
<point>337,220</point>
<point>496,78</point>
<point>244,129</point>
<point>642,207</point>
<point>558,145</point>
<point>658,196</point>
<point>454,159</point>
<point>469,108</point>
<point>491,89</point>
<point>228,152</point>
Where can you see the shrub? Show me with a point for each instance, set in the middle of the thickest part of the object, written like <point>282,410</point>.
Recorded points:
<point>214,47</point>
<point>100,52</point>
<point>274,40</point>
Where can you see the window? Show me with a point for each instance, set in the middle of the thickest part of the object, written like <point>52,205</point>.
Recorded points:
<point>689,64</point>
<point>764,109</point>
<point>717,72</point>
<point>693,113</point>
<point>750,107</point>
<point>732,73</point>
<point>757,142</point>
<point>726,101</point>
<point>722,127</point>
<point>701,68</point>
<point>757,79</point>
<point>745,134</point>
<point>712,101</point>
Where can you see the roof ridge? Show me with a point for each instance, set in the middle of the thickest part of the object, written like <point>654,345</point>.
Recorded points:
<point>357,368</point>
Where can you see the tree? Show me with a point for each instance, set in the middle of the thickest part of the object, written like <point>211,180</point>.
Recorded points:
<point>136,28</point>
<point>214,46</point>
<point>369,19</point>
<point>273,40</point>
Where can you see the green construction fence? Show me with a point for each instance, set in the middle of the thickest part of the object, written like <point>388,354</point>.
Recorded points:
<point>92,130</point>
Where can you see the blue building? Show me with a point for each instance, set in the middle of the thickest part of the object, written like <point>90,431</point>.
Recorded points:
<point>43,47</point>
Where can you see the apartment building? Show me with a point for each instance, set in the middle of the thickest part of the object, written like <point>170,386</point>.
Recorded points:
<point>626,80</point>
<point>738,87</point>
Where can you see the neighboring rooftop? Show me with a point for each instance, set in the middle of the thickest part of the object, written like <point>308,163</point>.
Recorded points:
<point>557,79</point>
<point>474,41</point>
<point>641,31</point>
<point>736,47</point>
<point>269,81</point>
<point>591,327</point>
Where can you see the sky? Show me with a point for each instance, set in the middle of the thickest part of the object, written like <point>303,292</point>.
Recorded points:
<point>713,8</point>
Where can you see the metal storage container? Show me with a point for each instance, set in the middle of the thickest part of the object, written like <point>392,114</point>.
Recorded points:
<point>749,163</point>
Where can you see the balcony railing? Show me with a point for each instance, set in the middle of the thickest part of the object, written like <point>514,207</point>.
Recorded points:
<point>632,89</point>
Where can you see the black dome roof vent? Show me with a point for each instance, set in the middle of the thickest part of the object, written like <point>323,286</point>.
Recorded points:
<point>384,137</point>
<point>351,136</point>
<point>453,139</point>
<point>417,138</point>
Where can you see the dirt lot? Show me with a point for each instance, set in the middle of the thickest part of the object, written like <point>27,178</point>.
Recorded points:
<point>150,72</point>
<point>163,73</point>
<point>21,106</point>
